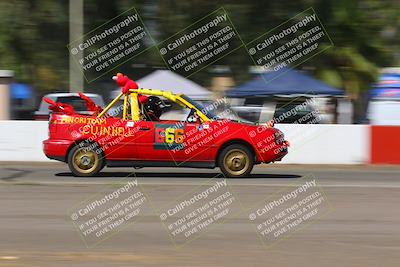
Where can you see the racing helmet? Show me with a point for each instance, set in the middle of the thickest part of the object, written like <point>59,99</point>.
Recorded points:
<point>153,107</point>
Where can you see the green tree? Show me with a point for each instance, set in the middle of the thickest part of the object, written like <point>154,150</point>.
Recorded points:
<point>33,36</point>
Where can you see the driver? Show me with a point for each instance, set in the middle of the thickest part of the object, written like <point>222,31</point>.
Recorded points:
<point>153,108</point>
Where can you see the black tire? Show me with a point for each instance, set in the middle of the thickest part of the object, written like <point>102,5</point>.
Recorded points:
<point>85,159</point>
<point>236,161</point>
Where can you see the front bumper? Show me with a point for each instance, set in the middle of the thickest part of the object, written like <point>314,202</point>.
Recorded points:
<point>272,153</point>
<point>283,150</point>
<point>281,154</point>
<point>56,149</point>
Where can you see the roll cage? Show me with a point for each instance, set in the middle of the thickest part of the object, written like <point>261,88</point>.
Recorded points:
<point>134,109</point>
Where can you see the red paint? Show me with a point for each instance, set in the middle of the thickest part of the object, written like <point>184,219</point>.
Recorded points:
<point>127,140</point>
<point>385,144</point>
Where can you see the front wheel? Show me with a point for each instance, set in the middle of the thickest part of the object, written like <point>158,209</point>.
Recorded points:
<point>83,160</point>
<point>236,161</point>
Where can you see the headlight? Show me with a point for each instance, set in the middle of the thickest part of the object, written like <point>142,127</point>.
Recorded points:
<point>279,137</point>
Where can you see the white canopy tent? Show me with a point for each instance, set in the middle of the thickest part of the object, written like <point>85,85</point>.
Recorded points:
<point>169,81</point>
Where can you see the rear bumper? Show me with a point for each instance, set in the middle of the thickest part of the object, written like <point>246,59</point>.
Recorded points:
<point>56,149</point>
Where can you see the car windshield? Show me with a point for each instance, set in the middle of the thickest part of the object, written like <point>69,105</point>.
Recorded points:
<point>206,110</point>
<point>210,110</point>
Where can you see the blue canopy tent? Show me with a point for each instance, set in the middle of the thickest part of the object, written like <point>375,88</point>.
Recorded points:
<point>283,82</point>
<point>387,87</point>
<point>21,91</point>
<point>22,101</point>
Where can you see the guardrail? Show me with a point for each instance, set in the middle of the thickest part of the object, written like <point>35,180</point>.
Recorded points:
<point>22,140</point>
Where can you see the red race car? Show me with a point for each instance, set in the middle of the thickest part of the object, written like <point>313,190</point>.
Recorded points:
<point>134,132</point>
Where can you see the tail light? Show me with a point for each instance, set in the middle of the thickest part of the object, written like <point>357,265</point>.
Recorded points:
<point>52,124</point>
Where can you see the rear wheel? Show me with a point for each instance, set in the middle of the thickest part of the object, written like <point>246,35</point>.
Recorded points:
<point>236,161</point>
<point>83,160</point>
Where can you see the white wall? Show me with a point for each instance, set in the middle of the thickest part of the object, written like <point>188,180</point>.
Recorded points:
<point>310,144</point>
<point>326,143</point>
<point>22,140</point>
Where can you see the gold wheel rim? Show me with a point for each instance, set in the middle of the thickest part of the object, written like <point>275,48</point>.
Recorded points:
<point>236,162</point>
<point>85,160</point>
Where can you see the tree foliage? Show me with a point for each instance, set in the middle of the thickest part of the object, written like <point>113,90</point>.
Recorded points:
<point>34,35</point>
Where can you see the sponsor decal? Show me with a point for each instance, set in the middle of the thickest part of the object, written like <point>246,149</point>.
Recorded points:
<point>168,136</point>
<point>82,120</point>
<point>106,130</point>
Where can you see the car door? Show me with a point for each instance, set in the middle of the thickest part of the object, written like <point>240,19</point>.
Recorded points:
<point>158,140</point>
<point>171,141</point>
<point>198,141</point>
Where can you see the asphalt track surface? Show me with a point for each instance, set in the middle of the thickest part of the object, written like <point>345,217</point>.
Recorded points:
<point>362,227</point>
